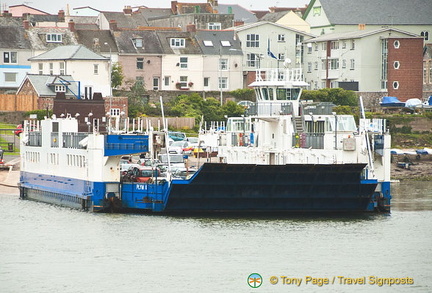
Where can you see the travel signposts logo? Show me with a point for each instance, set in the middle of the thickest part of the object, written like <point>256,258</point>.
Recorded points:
<point>255,280</point>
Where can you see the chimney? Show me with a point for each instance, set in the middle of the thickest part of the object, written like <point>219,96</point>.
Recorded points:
<point>191,28</point>
<point>174,7</point>
<point>238,22</point>
<point>61,15</point>
<point>127,10</point>
<point>113,25</point>
<point>71,25</point>
<point>26,24</point>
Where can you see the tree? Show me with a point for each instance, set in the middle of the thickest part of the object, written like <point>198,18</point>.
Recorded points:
<point>116,75</point>
<point>336,96</point>
<point>136,99</point>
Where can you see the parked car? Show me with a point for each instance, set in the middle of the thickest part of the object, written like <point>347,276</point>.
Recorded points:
<point>184,173</point>
<point>177,147</point>
<point>176,136</point>
<point>141,174</point>
<point>245,104</point>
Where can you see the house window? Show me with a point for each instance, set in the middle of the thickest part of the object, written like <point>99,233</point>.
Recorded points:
<point>396,44</point>
<point>223,64</point>
<point>155,83</point>
<point>352,64</point>
<point>214,26</point>
<point>88,92</point>
<point>316,46</point>
<point>316,65</point>
<point>226,43</point>
<point>59,88</point>
<point>324,46</point>
<point>316,11</point>
<point>281,56</point>
<point>51,68</point>
<point>208,43</point>
<point>138,43</point>
<point>396,65</point>
<point>223,83</point>
<point>309,67</point>
<point>334,64</point>
<point>10,76</point>
<point>343,63</point>
<point>183,82</point>
<point>40,68</point>
<point>140,63</point>
<point>343,44</point>
<point>95,69</point>
<point>206,81</point>
<point>425,35</point>
<point>115,112</point>
<point>10,57</point>
<point>309,48</point>
<point>352,44</point>
<point>184,62</point>
<point>177,43</point>
<point>334,45</point>
<point>54,38</point>
<point>281,38</point>
<point>252,41</point>
<point>167,80</point>
<point>253,60</point>
<point>62,68</point>
<point>395,85</point>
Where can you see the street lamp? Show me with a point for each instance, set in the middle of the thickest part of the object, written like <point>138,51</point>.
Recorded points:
<point>110,75</point>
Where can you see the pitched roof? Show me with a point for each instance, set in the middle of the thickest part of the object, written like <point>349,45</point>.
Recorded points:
<point>44,84</point>
<point>356,35</point>
<point>150,42</point>
<point>14,37</point>
<point>274,16</point>
<point>191,46</point>
<point>260,23</point>
<point>97,40</point>
<point>211,42</point>
<point>239,12</point>
<point>73,52</point>
<point>383,12</point>
<point>131,21</point>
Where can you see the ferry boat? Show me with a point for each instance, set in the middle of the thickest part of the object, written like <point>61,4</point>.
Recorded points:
<point>281,156</point>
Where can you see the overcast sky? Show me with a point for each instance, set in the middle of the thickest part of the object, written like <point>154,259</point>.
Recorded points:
<point>53,6</point>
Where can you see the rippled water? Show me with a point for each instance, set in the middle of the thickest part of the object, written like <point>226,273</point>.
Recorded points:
<point>46,248</point>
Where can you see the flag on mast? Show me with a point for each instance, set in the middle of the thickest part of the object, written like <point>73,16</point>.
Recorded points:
<point>269,53</point>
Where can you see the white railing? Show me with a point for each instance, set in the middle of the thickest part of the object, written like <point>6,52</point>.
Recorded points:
<point>279,74</point>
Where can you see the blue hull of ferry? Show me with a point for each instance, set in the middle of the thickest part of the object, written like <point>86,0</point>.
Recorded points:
<point>225,188</point>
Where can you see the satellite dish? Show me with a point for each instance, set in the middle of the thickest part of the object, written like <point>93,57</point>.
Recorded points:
<point>287,62</point>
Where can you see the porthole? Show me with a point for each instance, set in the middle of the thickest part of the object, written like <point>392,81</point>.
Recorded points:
<point>396,65</point>
<point>396,44</point>
<point>395,85</point>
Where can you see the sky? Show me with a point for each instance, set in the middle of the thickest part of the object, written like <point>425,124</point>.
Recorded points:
<point>53,6</point>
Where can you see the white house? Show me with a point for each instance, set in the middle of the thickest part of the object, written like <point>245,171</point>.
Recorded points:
<point>358,60</point>
<point>90,70</point>
<point>266,44</point>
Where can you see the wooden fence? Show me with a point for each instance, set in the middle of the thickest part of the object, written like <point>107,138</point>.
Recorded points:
<point>15,103</point>
<point>174,122</point>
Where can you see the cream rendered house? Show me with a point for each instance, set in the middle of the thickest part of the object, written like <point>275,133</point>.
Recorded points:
<point>90,70</point>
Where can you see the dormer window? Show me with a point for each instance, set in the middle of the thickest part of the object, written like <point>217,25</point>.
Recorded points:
<point>54,38</point>
<point>59,88</point>
<point>138,43</point>
<point>177,43</point>
<point>214,26</point>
